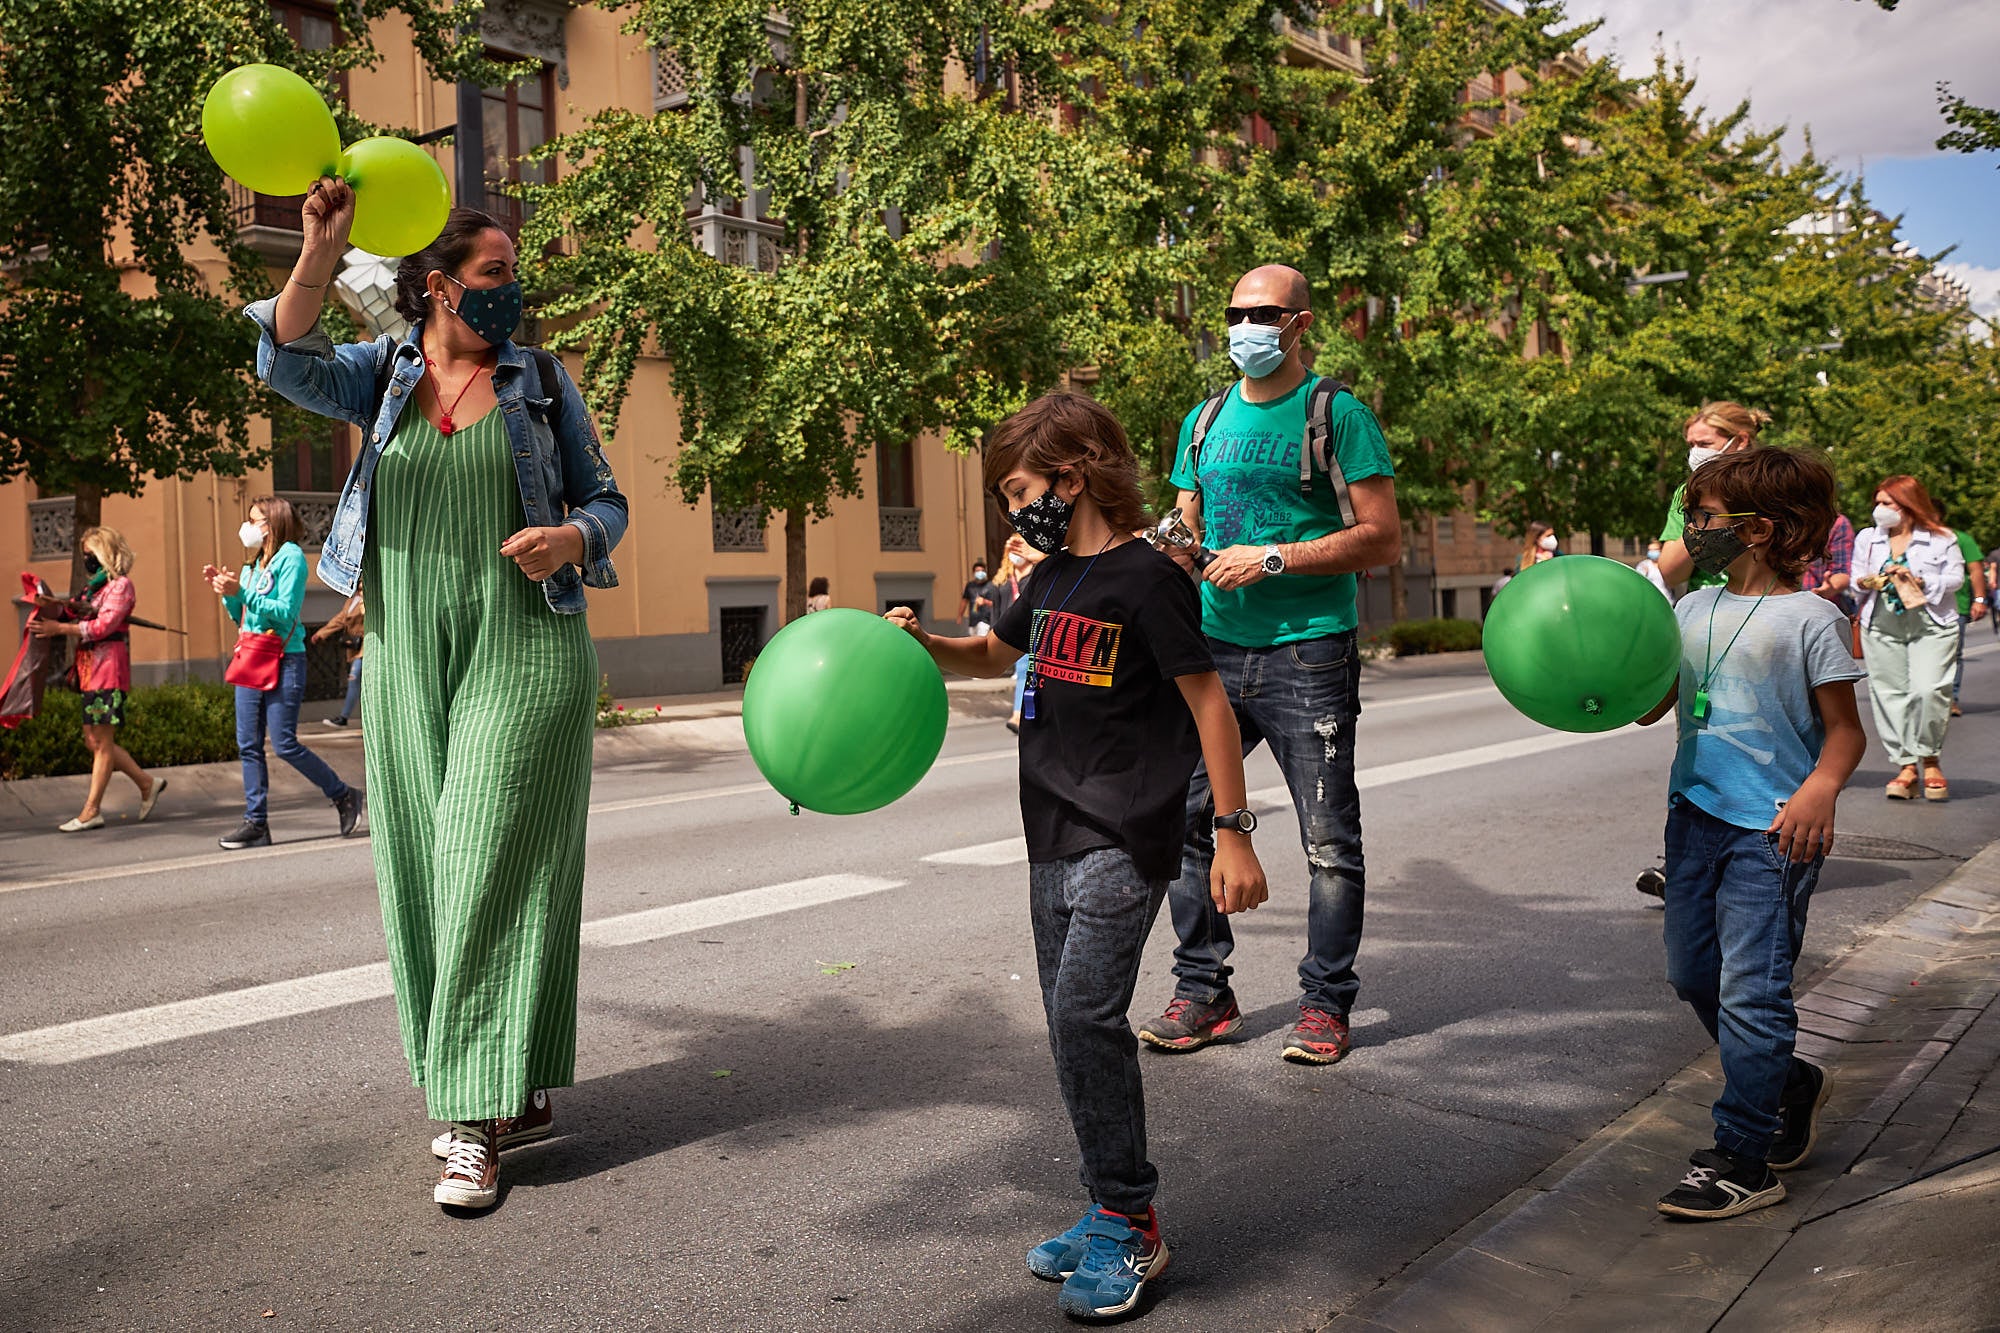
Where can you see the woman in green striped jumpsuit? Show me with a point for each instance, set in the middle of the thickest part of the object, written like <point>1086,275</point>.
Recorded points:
<point>473,522</point>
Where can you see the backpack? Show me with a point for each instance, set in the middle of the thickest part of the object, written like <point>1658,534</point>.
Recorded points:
<point>1319,418</point>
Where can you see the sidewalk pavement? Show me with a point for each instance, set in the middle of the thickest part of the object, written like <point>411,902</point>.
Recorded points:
<point>1894,1223</point>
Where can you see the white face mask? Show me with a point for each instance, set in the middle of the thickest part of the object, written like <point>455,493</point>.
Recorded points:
<point>1549,542</point>
<point>1018,560</point>
<point>1888,517</point>
<point>1701,453</point>
<point>251,534</point>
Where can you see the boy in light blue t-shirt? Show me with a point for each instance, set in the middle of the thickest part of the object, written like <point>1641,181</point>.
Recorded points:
<point>1769,734</point>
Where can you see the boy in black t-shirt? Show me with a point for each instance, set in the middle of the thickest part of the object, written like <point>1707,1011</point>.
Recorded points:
<point>1121,700</point>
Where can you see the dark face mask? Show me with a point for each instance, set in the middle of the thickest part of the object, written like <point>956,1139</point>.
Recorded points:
<point>1713,549</point>
<point>91,564</point>
<point>1044,522</point>
<point>491,312</point>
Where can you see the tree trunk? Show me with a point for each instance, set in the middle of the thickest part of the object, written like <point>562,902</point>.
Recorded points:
<point>795,564</point>
<point>1399,592</point>
<point>1597,543</point>
<point>89,514</point>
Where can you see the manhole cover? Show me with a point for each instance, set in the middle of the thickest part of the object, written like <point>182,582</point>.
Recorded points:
<point>1855,847</point>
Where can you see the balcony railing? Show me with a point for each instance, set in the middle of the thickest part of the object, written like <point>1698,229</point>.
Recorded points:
<point>51,528</point>
<point>739,529</point>
<point>739,242</point>
<point>902,529</point>
<point>314,510</point>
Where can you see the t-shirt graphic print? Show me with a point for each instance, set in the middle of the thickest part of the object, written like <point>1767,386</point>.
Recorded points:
<point>1075,648</point>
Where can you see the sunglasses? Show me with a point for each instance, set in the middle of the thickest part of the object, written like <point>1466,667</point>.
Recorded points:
<point>1257,314</point>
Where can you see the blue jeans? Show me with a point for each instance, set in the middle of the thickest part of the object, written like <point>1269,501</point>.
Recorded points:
<point>1020,678</point>
<point>1736,916</point>
<point>1302,700</point>
<point>275,712</point>
<point>1091,914</point>
<point>350,708</point>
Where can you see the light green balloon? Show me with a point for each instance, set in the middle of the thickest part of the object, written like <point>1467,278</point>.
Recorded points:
<point>270,130</point>
<point>400,198</point>
<point>844,712</point>
<point>1581,643</point>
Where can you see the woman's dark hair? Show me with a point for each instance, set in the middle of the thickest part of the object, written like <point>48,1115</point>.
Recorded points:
<point>447,254</point>
<point>818,588</point>
<point>1791,489</point>
<point>1067,432</point>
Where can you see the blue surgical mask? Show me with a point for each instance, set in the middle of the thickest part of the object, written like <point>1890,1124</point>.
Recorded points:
<point>491,312</point>
<point>1256,348</point>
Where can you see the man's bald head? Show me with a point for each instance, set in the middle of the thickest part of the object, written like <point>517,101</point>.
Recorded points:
<point>1273,284</point>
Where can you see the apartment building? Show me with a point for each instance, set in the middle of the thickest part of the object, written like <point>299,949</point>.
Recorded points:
<point>700,590</point>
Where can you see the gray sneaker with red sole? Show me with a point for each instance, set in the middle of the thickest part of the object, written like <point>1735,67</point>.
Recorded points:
<point>1189,1025</point>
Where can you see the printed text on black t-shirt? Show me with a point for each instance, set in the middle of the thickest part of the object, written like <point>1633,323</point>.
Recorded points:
<point>1075,648</point>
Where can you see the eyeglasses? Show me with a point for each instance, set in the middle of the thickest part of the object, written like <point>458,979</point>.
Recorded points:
<point>1701,520</point>
<point>1258,314</point>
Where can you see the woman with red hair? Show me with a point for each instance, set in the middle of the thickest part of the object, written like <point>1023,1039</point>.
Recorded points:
<point>1907,571</point>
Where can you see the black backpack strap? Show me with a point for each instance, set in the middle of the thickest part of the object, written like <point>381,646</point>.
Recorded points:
<point>548,370</point>
<point>1203,419</point>
<point>1319,448</point>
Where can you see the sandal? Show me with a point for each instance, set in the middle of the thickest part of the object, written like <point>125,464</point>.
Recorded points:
<point>1899,788</point>
<point>1935,786</point>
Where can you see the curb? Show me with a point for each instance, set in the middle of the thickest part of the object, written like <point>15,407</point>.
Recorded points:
<point>1581,1246</point>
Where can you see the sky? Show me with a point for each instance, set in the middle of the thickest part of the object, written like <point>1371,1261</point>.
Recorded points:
<point>1863,83</point>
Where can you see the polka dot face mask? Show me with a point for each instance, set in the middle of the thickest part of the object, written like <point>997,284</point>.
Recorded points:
<point>491,312</point>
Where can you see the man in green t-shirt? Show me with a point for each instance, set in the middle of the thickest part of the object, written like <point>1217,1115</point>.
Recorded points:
<point>1278,610</point>
<point>1972,603</point>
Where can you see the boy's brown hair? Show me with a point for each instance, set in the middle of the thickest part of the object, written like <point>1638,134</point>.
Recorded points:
<point>1792,489</point>
<point>1067,432</point>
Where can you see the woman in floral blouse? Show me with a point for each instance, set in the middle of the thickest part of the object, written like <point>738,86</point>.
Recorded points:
<point>97,621</point>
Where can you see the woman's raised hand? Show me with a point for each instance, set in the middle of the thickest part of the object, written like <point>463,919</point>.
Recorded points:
<point>328,215</point>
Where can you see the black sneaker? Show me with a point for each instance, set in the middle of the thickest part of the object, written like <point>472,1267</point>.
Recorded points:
<point>349,807</point>
<point>1189,1025</point>
<point>1798,1116</point>
<point>250,835</point>
<point>1652,882</point>
<point>1721,1184</point>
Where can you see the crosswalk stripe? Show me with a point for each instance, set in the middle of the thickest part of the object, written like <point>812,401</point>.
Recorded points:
<point>89,1038</point>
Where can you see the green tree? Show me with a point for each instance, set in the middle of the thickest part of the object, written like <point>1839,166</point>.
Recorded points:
<point>118,359</point>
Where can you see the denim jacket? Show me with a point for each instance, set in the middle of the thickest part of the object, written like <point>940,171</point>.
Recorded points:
<point>1934,557</point>
<point>557,460</point>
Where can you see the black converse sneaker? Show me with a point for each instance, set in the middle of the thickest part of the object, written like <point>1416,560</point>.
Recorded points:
<point>1720,1184</point>
<point>1798,1115</point>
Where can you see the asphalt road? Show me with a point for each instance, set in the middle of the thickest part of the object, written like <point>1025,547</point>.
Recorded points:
<point>830,1106</point>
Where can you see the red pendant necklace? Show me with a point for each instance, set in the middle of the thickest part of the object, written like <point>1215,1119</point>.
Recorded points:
<point>445,424</point>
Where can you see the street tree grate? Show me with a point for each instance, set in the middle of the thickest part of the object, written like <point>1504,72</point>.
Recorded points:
<point>1856,847</point>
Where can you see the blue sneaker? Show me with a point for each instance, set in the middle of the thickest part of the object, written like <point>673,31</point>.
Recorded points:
<point>1057,1257</point>
<point>1117,1262</point>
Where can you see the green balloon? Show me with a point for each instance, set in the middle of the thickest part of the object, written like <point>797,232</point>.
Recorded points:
<point>270,129</point>
<point>1581,643</point>
<point>400,198</point>
<point>844,712</point>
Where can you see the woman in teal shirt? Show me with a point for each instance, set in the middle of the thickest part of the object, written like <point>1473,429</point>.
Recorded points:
<point>267,597</point>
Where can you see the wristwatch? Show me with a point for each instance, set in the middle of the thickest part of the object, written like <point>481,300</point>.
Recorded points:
<point>1241,821</point>
<point>1274,560</point>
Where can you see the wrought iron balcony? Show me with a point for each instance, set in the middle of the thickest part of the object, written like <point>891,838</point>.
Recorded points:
<point>902,529</point>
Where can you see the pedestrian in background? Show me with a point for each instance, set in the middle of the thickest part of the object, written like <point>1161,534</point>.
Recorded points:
<point>1974,603</point>
<point>97,621</point>
<point>268,597</point>
<point>1830,576</point>
<point>1650,569</point>
<point>1768,734</point>
<point>975,603</point>
<point>819,595</point>
<point>1907,569</point>
<point>351,627</point>
<point>1017,561</point>
<point>1541,543</point>
<point>482,679</point>
<point>1715,429</point>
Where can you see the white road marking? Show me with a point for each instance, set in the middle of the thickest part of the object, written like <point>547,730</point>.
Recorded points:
<point>1376,705</point>
<point>86,1039</point>
<point>1381,775</point>
<point>1005,852</point>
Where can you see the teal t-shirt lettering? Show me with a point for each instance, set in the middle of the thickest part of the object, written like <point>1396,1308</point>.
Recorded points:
<point>1249,486</point>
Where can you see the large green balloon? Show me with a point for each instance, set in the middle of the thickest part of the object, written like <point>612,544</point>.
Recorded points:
<point>844,712</point>
<point>270,129</point>
<point>400,198</point>
<point>1581,643</point>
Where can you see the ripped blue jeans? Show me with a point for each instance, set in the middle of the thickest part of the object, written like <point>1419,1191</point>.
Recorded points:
<point>1302,700</point>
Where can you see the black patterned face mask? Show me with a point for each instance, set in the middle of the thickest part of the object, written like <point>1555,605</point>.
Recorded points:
<point>1713,549</point>
<point>491,312</point>
<point>1044,522</point>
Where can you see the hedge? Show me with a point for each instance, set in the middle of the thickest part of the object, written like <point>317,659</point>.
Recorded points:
<point>1411,638</point>
<point>192,723</point>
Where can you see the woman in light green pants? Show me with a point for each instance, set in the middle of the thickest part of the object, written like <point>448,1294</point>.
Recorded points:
<point>1907,571</point>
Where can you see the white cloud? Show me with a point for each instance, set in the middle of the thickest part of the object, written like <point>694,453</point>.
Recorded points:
<point>1863,79</point>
